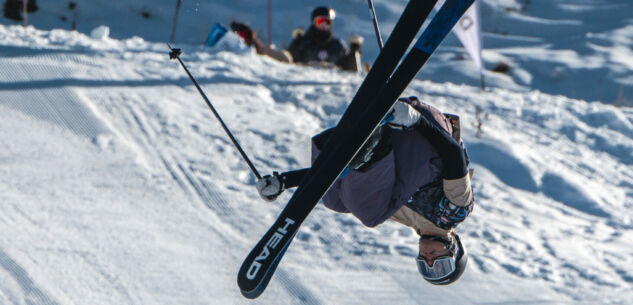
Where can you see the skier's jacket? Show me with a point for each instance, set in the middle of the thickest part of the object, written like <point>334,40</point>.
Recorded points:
<point>385,189</point>
<point>316,46</point>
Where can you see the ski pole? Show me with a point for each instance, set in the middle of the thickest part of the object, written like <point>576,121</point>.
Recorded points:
<point>173,28</point>
<point>175,54</point>
<point>270,27</point>
<point>25,11</point>
<point>375,20</point>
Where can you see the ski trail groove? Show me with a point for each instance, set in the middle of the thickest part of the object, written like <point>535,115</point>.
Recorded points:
<point>300,291</point>
<point>150,137</point>
<point>33,294</point>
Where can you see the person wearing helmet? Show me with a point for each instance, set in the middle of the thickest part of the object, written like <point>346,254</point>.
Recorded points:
<point>413,170</point>
<point>319,46</point>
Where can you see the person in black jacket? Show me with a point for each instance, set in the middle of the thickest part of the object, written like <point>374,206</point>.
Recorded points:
<point>319,46</point>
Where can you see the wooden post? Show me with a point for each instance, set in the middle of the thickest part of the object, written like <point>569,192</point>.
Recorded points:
<point>270,27</point>
<point>24,8</point>
<point>173,28</point>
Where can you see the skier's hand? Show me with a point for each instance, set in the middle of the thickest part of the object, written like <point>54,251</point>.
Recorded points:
<point>269,187</point>
<point>298,32</point>
<point>402,116</point>
<point>355,43</point>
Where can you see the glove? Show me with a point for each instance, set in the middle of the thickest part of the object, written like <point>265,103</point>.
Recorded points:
<point>269,187</point>
<point>402,116</point>
<point>298,32</point>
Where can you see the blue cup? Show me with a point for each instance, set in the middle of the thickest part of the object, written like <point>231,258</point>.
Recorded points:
<point>217,32</point>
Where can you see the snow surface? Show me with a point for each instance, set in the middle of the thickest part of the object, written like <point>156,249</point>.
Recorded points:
<point>118,186</point>
<point>578,48</point>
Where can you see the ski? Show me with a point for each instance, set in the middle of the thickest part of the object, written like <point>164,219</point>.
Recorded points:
<point>360,119</point>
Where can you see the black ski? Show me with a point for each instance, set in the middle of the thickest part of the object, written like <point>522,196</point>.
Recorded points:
<point>372,101</point>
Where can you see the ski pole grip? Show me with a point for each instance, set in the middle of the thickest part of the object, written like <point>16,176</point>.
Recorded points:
<point>175,53</point>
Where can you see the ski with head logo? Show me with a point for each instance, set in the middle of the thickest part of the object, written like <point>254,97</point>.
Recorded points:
<point>372,101</point>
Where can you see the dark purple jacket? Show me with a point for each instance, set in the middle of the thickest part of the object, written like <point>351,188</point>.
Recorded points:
<point>377,193</point>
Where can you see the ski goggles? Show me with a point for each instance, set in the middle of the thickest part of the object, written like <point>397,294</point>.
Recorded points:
<point>442,266</point>
<point>323,22</point>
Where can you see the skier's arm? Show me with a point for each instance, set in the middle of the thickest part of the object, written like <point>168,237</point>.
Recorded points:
<point>270,187</point>
<point>457,187</point>
<point>405,116</point>
<point>292,178</point>
<point>449,150</point>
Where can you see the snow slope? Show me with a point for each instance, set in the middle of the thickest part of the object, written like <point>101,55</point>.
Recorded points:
<point>117,186</point>
<point>580,49</point>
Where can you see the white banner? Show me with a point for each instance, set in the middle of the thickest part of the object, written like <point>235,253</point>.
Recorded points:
<point>468,30</point>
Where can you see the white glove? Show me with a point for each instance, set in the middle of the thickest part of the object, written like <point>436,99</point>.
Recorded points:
<point>403,116</point>
<point>269,187</point>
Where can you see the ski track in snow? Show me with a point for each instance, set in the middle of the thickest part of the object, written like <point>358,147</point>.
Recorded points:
<point>552,225</point>
<point>30,289</point>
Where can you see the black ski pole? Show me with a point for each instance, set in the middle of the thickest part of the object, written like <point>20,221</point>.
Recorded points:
<point>175,54</point>
<point>375,20</point>
<point>173,28</point>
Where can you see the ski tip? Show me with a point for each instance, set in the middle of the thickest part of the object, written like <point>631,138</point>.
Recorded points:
<point>251,291</point>
<point>252,294</point>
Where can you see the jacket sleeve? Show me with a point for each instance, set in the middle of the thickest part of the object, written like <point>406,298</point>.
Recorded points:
<point>459,191</point>
<point>449,150</point>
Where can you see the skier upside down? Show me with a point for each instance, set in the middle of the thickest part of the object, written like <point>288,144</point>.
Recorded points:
<point>414,170</point>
